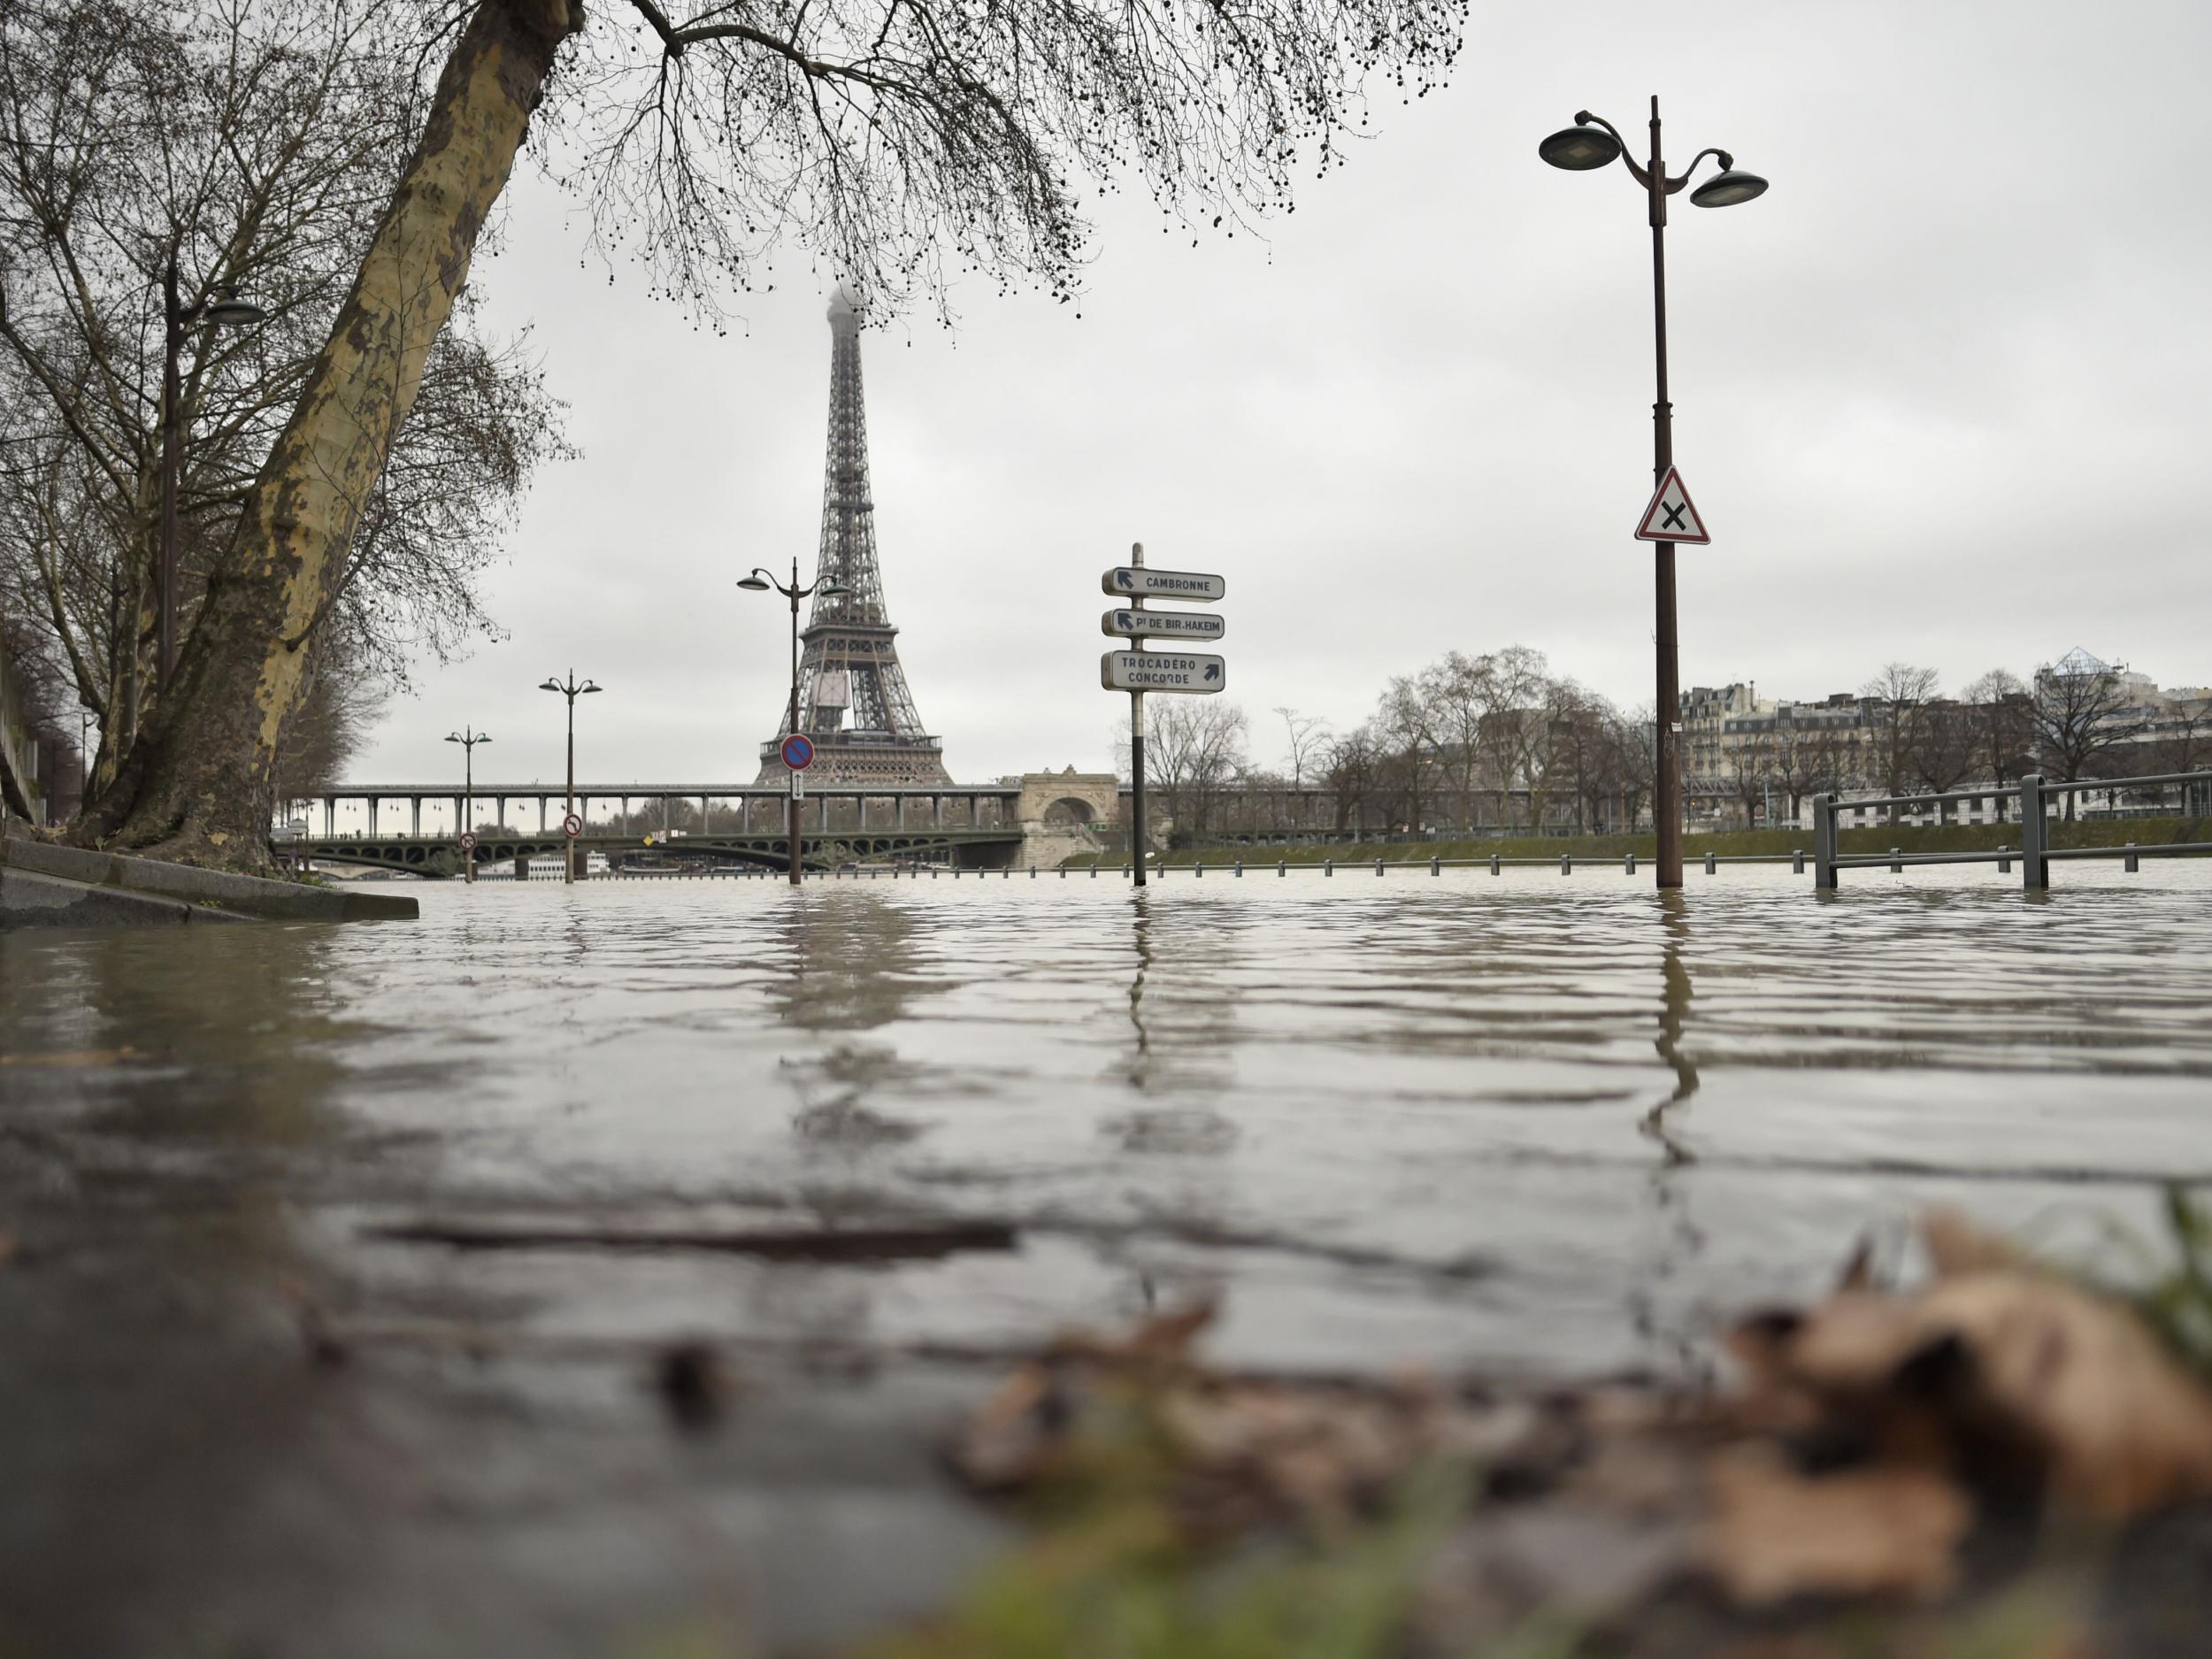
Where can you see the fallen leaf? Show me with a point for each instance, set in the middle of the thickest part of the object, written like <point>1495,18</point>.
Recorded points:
<point>1773,1534</point>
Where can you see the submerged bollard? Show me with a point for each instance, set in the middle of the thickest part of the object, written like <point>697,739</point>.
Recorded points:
<point>1493,864</point>
<point>1628,865</point>
<point>1378,866</point>
<point>1797,861</point>
<point>1239,868</point>
<point>1895,868</point>
<point>1566,863</point>
<point>2004,861</point>
<point>1436,865</point>
<point>1328,866</point>
<point>1282,866</point>
<point>2128,862</point>
<point>1710,867</point>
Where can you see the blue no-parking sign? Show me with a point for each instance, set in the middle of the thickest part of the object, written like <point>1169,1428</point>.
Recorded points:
<point>798,752</point>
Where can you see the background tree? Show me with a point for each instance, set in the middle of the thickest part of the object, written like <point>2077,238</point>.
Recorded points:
<point>1352,772</point>
<point>256,145</point>
<point>2004,726</point>
<point>1307,735</point>
<point>1895,699</point>
<point>898,140</point>
<point>1194,753</point>
<point>2080,708</point>
<point>1945,753</point>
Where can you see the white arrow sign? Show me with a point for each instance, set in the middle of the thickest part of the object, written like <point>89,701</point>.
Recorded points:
<point>1161,670</point>
<point>1166,625</point>
<point>1671,517</point>
<point>1135,581</point>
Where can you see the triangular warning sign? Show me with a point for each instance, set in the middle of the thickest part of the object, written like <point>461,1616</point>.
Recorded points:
<point>1672,517</point>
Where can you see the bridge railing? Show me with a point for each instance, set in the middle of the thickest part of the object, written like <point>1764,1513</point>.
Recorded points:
<point>2035,796</point>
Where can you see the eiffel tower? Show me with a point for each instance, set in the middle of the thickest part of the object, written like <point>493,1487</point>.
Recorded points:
<point>853,700</point>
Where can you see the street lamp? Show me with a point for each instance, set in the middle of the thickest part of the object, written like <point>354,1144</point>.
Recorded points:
<point>761,582</point>
<point>227,311</point>
<point>468,740</point>
<point>571,691</point>
<point>1590,143</point>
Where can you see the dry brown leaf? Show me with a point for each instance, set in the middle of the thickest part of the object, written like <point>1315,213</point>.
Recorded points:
<point>1956,1244</point>
<point>1773,1534</point>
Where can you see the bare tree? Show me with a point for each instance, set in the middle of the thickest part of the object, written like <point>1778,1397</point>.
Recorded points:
<point>2081,708</point>
<point>1307,735</point>
<point>896,140</point>
<point>1353,775</point>
<point>1193,754</point>
<point>252,146</point>
<point>2003,723</point>
<point>1405,735</point>
<point>1945,753</point>
<point>1896,697</point>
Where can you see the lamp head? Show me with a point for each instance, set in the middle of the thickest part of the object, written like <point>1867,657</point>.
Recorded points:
<point>590,686</point>
<point>1580,149</point>
<point>229,311</point>
<point>1726,188</point>
<point>753,582</point>
<point>550,685</point>
<point>452,737</point>
<point>834,590</point>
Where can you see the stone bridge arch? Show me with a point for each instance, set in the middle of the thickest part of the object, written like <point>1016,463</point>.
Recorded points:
<point>1065,814</point>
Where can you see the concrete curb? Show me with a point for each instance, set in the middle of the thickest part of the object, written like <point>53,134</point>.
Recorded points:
<point>149,889</point>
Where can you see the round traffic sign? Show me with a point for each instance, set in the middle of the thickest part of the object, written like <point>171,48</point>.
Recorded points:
<point>798,751</point>
<point>571,826</point>
<point>468,840</point>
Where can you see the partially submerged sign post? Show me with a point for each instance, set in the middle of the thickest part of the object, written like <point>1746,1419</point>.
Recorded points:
<point>1137,671</point>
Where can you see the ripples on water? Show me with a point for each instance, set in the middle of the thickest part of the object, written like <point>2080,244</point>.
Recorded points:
<point>1526,1122</point>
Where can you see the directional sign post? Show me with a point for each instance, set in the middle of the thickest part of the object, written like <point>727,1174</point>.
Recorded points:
<point>1138,672</point>
<point>1161,671</point>
<point>1133,581</point>
<point>1163,625</point>
<point>1672,517</point>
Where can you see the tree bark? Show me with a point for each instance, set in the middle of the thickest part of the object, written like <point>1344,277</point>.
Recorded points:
<point>199,784</point>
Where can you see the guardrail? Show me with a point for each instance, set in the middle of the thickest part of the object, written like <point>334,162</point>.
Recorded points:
<point>2035,852</point>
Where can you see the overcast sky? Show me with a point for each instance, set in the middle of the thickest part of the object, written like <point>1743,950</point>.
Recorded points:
<point>1940,396</point>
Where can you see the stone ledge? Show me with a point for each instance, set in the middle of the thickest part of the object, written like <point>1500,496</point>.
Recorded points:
<point>234,897</point>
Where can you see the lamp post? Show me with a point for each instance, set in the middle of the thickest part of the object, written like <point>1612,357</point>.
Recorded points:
<point>761,582</point>
<point>1590,143</point>
<point>571,691</point>
<point>468,740</point>
<point>225,311</point>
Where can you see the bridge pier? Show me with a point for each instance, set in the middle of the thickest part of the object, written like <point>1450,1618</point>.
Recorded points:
<point>371,816</point>
<point>414,819</point>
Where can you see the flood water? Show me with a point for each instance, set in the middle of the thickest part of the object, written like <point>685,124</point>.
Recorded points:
<point>1528,1125</point>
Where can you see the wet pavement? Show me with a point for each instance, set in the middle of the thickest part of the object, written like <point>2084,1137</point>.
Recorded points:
<point>1524,1125</point>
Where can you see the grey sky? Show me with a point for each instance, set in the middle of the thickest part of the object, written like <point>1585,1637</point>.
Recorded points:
<point>1940,395</point>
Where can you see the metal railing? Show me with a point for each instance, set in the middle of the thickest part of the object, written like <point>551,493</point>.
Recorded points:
<point>2035,853</point>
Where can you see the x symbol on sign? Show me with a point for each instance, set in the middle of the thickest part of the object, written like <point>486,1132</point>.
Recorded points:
<point>1673,520</point>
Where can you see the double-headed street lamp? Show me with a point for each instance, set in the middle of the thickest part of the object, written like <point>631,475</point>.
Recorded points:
<point>571,691</point>
<point>225,311</point>
<point>468,740</point>
<point>761,582</point>
<point>1590,143</point>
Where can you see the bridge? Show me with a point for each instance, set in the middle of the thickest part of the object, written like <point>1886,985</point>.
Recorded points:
<point>1034,820</point>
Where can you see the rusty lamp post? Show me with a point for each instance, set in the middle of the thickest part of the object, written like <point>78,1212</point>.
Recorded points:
<point>761,582</point>
<point>1590,143</point>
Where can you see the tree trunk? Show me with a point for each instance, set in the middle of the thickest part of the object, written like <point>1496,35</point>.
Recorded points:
<point>199,785</point>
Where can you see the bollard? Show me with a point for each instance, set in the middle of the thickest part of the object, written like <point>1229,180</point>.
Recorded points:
<point>1198,866</point>
<point>1797,861</point>
<point>1282,866</point>
<point>1895,868</point>
<point>1239,868</point>
<point>2035,836</point>
<point>1124,870</point>
<point>1378,866</point>
<point>1436,865</point>
<point>1493,864</point>
<point>1032,873</point>
<point>1566,863</point>
<point>2004,861</point>
<point>1328,866</point>
<point>2128,862</point>
<point>1710,867</point>
<point>1628,865</point>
